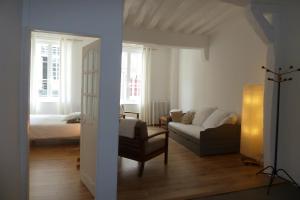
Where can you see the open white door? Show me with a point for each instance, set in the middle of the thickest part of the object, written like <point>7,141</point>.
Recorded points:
<point>89,109</point>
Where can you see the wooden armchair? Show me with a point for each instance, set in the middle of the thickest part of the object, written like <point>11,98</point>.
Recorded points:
<point>147,143</point>
<point>123,113</point>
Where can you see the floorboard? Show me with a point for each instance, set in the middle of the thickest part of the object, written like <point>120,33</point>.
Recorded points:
<point>53,175</point>
<point>186,176</point>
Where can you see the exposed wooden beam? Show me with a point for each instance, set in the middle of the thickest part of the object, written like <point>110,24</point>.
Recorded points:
<point>155,8</point>
<point>242,3</point>
<point>147,36</point>
<point>207,16</point>
<point>165,9</point>
<point>217,20</point>
<point>182,6</point>
<point>133,10</point>
<point>195,16</point>
<point>191,6</point>
<point>142,12</point>
<point>127,5</point>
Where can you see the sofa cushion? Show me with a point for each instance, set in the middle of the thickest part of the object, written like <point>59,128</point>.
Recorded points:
<point>202,114</point>
<point>188,117</point>
<point>176,115</point>
<point>232,118</point>
<point>215,119</point>
<point>188,129</point>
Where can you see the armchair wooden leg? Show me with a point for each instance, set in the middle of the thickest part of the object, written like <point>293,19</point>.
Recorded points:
<point>141,168</point>
<point>166,157</point>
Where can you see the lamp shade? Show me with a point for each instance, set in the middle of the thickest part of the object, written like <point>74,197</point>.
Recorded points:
<point>252,122</point>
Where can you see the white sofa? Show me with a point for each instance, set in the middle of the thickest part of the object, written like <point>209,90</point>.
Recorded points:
<point>213,131</point>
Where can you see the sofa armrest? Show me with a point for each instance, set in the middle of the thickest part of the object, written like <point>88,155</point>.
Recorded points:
<point>222,132</point>
<point>222,139</point>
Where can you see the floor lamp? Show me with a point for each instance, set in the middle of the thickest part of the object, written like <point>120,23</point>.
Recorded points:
<point>279,78</point>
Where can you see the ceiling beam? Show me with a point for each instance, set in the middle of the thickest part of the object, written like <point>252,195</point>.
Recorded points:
<point>133,11</point>
<point>195,16</point>
<point>242,3</point>
<point>147,36</point>
<point>142,12</point>
<point>217,20</point>
<point>163,10</point>
<point>207,16</point>
<point>182,6</point>
<point>155,8</point>
<point>127,5</point>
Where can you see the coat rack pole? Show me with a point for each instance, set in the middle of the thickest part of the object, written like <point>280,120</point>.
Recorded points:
<point>274,171</point>
<point>277,124</point>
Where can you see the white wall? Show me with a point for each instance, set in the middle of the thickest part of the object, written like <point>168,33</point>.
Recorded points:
<point>235,56</point>
<point>10,40</point>
<point>289,48</point>
<point>174,78</point>
<point>99,18</point>
<point>160,73</point>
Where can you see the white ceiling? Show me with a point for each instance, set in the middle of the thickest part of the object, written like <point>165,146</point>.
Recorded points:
<point>193,17</point>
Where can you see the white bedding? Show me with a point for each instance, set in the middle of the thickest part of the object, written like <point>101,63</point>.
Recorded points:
<point>52,127</point>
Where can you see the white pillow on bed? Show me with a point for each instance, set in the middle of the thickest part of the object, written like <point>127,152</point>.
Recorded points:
<point>215,119</point>
<point>73,116</point>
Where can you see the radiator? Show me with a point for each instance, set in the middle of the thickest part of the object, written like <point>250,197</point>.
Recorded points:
<point>158,108</point>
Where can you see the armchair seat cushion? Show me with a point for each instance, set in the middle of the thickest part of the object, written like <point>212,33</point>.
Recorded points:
<point>154,144</point>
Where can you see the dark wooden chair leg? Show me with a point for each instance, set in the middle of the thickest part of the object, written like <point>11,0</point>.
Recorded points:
<point>166,157</point>
<point>166,148</point>
<point>141,169</point>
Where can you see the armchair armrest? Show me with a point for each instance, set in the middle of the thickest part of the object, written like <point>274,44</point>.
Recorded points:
<point>135,113</point>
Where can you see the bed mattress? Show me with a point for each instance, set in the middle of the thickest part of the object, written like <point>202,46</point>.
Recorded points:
<point>43,127</point>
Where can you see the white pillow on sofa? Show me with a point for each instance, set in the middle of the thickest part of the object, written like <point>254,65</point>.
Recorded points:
<point>202,114</point>
<point>215,119</point>
<point>232,118</point>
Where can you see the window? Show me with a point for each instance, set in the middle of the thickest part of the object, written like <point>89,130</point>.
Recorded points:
<point>49,73</point>
<point>131,75</point>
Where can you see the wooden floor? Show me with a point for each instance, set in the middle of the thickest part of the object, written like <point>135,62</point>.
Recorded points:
<point>53,175</point>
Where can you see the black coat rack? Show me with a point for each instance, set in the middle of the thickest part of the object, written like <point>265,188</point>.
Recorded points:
<point>279,78</point>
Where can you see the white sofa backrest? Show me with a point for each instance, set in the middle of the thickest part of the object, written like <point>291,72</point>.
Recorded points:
<point>215,119</point>
<point>202,114</point>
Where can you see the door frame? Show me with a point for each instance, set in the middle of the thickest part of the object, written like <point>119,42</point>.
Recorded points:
<point>24,111</point>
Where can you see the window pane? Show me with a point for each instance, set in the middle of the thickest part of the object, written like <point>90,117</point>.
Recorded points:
<point>124,68</point>
<point>135,76</point>
<point>49,68</point>
<point>45,67</point>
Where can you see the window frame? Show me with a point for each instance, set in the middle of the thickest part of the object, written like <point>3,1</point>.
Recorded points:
<point>129,50</point>
<point>50,43</point>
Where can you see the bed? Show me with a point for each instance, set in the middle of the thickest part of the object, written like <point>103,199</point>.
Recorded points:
<point>52,128</point>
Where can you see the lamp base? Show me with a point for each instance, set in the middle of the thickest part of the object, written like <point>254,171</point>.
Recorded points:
<point>274,174</point>
<point>250,161</point>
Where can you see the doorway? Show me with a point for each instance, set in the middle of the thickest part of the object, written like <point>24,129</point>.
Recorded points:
<point>64,87</point>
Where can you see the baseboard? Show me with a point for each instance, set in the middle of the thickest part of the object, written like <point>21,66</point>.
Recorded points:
<point>88,182</point>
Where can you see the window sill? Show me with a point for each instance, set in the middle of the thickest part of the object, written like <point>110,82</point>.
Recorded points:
<point>129,103</point>
<point>48,100</point>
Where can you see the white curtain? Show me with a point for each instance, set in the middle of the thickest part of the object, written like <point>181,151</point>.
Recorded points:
<point>65,97</point>
<point>70,79</point>
<point>35,72</point>
<point>146,86</point>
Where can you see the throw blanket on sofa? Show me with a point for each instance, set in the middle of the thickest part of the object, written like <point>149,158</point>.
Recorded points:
<point>127,127</point>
